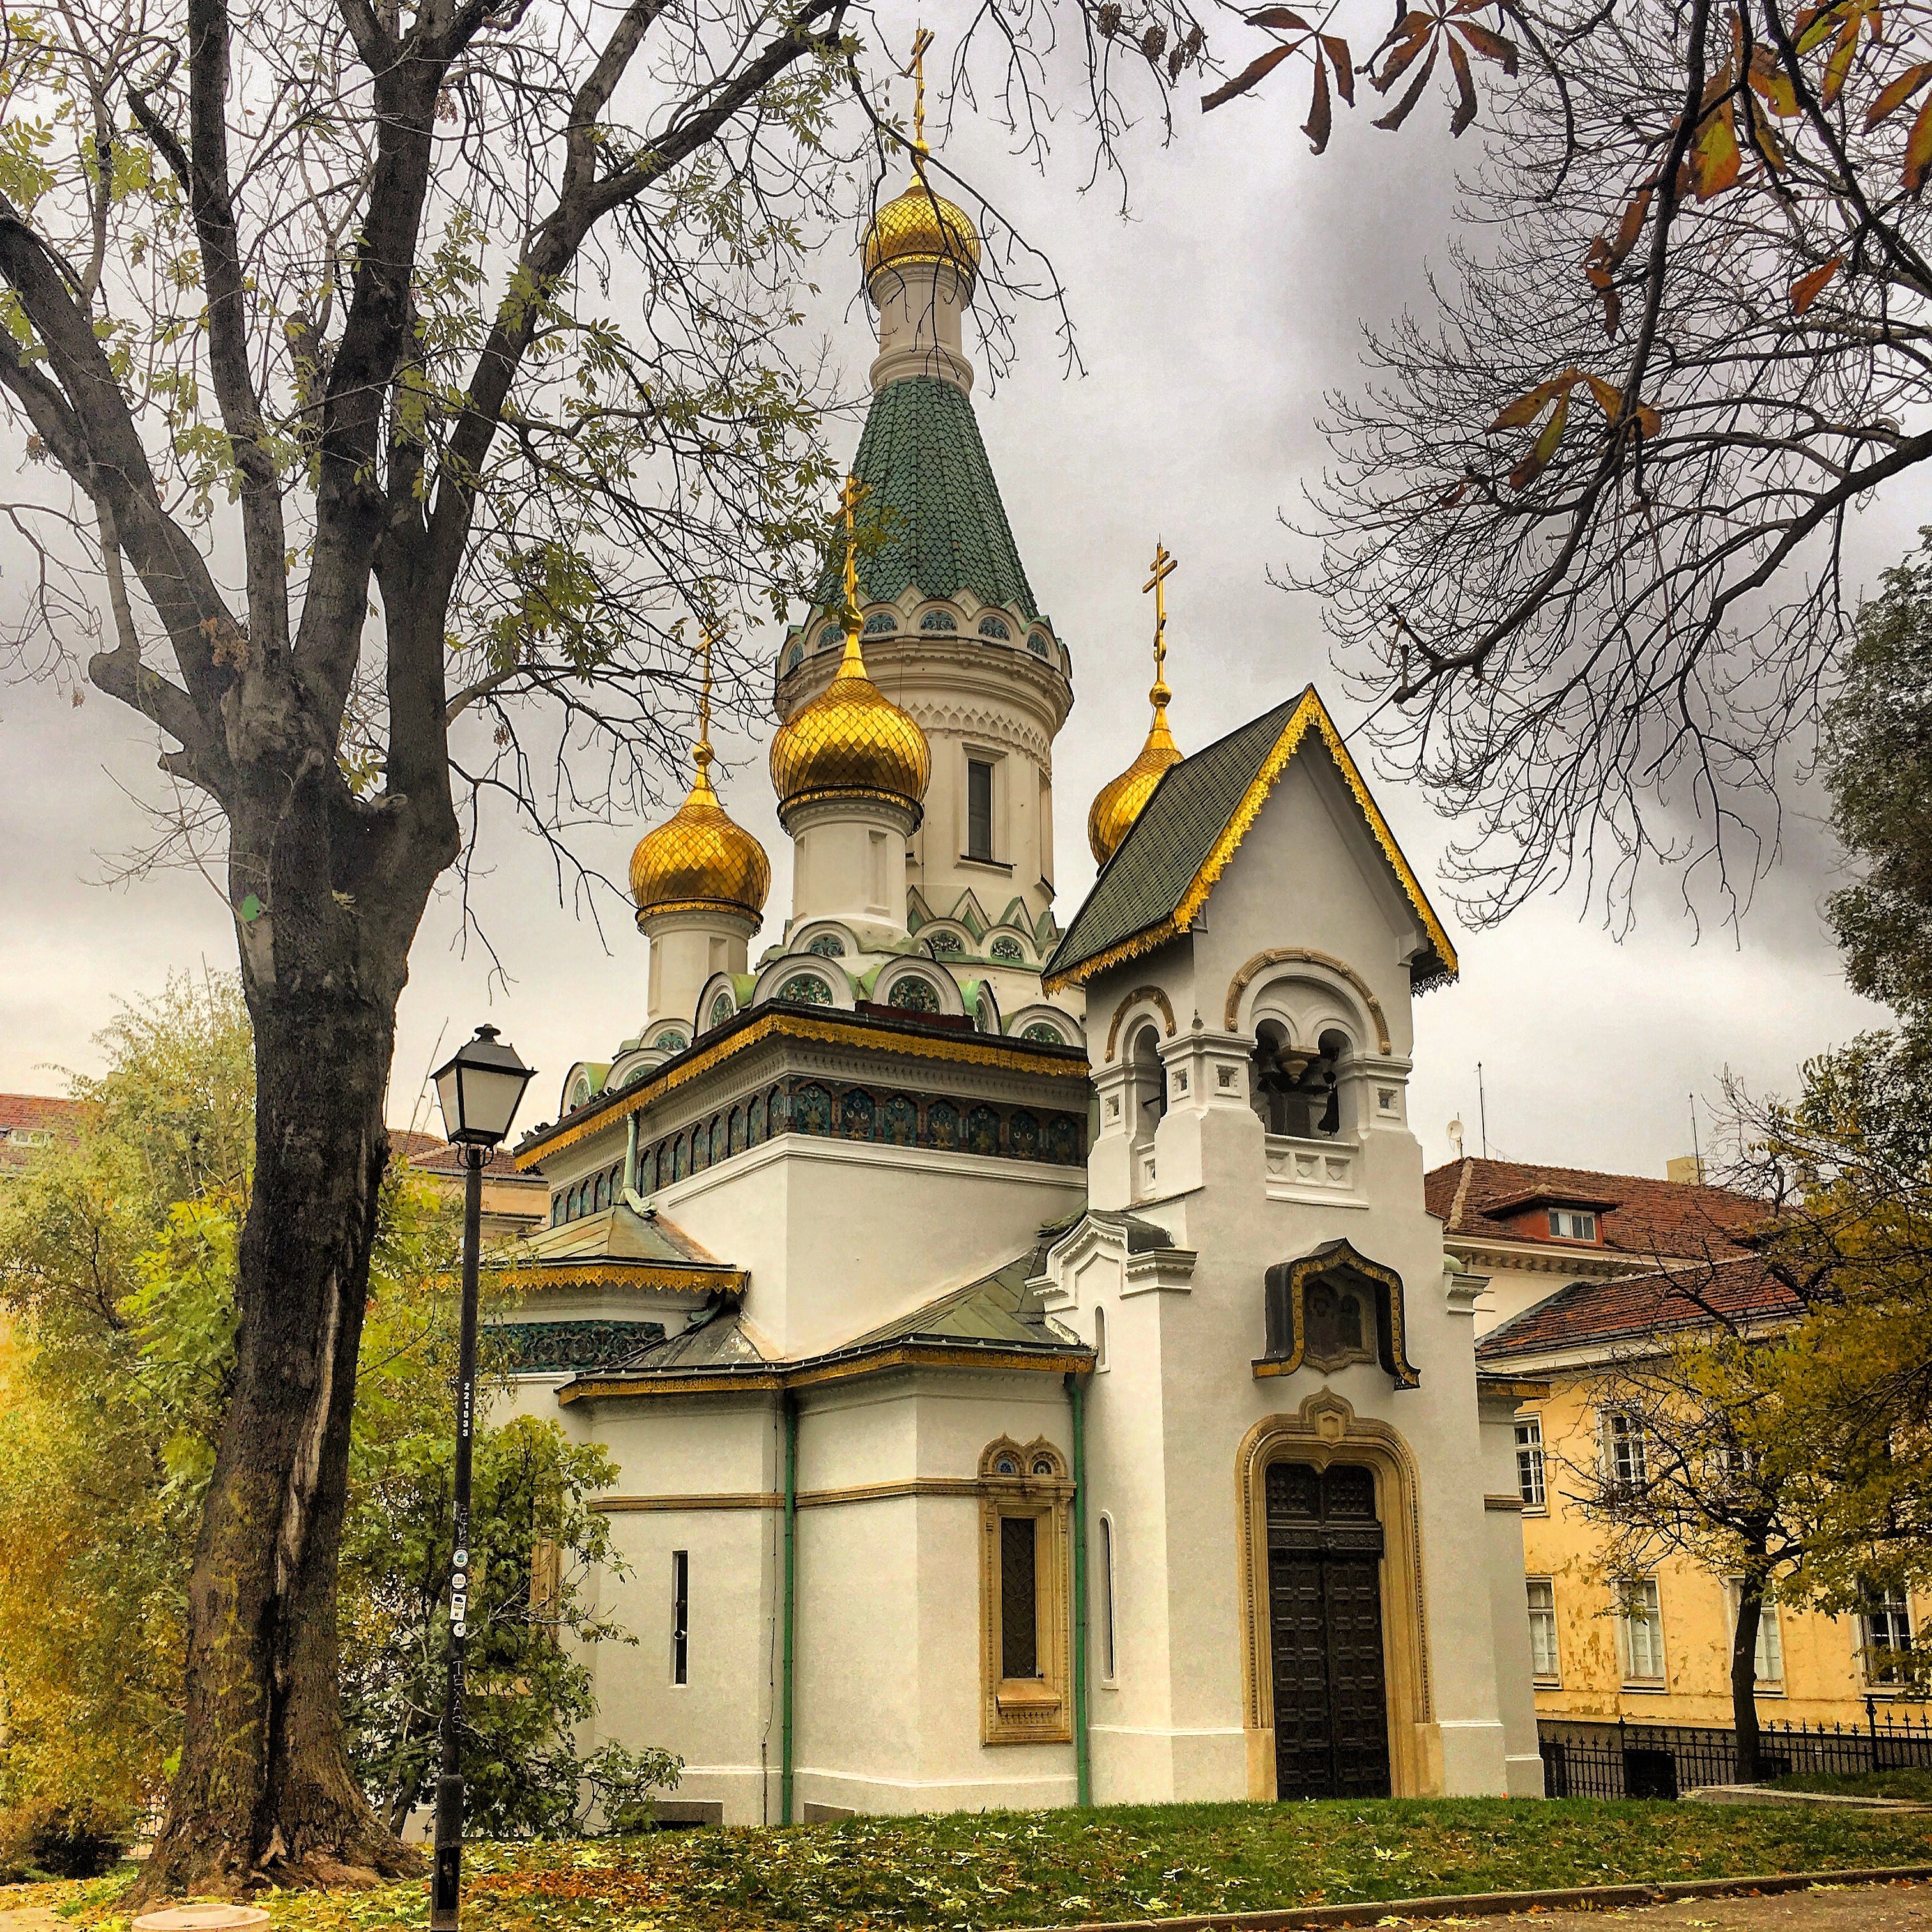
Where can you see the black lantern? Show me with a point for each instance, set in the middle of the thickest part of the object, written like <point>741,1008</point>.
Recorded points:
<point>481,1089</point>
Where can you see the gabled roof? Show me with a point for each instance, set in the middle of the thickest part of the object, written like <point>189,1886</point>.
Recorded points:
<point>933,495</point>
<point>1158,880</point>
<point>1663,1220</point>
<point>997,1309</point>
<point>1605,1314</point>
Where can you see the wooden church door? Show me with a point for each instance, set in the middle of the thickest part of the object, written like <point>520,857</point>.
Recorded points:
<point>1325,1624</point>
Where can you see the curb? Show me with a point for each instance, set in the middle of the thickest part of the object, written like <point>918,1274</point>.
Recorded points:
<point>1471,1904</point>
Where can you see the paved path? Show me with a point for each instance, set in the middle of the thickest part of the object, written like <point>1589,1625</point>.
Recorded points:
<point>31,1918</point>
<point>1878,1908</point>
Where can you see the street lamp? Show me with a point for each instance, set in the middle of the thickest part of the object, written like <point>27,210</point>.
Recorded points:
<point>479,1090</point>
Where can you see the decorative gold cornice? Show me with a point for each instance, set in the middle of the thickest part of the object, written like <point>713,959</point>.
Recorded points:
<point>606,1273</point>
<point>1287,955</point>
<point>810,1374</point>
<point>967,1050</point>
<point>1309,713</point>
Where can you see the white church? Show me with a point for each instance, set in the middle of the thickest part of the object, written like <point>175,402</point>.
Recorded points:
<point>1035,1375</point>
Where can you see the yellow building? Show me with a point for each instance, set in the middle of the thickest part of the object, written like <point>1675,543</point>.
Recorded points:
<point>1579,1269</point>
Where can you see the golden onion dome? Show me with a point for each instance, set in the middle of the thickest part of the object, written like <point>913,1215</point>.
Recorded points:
<point>1121,800</point>
<point>851,741</point>
<point>699,857</point>
<point>921,225</point>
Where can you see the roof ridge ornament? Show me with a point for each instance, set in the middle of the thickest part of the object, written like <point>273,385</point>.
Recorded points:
<point>915,69</point>
<point>1120,801</point>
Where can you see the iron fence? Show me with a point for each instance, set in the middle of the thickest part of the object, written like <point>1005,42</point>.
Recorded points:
<point>1582,1759</point>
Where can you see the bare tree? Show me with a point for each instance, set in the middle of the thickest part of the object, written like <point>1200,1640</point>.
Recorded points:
<point>381,504</point>
<point>1583,535</point>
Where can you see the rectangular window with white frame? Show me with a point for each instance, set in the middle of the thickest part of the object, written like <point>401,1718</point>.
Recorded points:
<point>1770,1664</point>
<point>1572,1224</point>
<point>1542,1593</point>
<point>1625,1460</point>
<point>1640,1627</point>
<point>1884,1638</point>
<point>979,774</point>
<point>1529,1462</point>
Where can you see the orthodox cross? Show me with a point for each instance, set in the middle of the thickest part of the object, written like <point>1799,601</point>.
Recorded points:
<point>1163,568</point>
<point>850,498</point>
<point>921,41</point>
<point>707,637</point>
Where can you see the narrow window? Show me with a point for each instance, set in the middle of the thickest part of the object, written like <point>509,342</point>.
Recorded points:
<point>1100,1338</point>
<point>978,809</point>
<point>680,1616</point>
<point>1642,1621</point>
<point>546,1581</point>
<point>875,861</point>
<point>1019,1599</point>
<point>1543,1629</point>
<point>1108,1669</point>
<point>1529,1461</point>
<point>1566,1225</point>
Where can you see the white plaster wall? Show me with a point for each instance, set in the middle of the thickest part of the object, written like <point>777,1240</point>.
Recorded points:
<point>1509,1605</point>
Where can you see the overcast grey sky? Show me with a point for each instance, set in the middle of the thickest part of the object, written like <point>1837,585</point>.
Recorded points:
<point>1210,324</point>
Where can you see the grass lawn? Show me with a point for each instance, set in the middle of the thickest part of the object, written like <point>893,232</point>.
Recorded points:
<point>1915,1783</point>
<point>967,1870</point>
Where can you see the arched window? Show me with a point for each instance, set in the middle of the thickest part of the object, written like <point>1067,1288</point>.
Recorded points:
<point>939,620</point>
<point>880,623</point>
<point>737,1130</point>
<point>1022,1135</point>
<point>603,1198</point>
<point>1045,1030</point>
<point>829,636</point>
<point>679,1159</point>
<point>1063,1140</point>
<point>898,1121</point>
<point>1100,1338</point>
<point>828,946</point>
<point>700,1148</point>
<point>794,657</point>
<point>942,1127</point>
<point>806,989</point>
<point>776,1114</point>
<point>812,1110</point>
<point>1109,1663</point>
<point>983,1131</point>
<point>722,1010</point>
<point>1007,948</point>
<point>1036,644</point>
<point>670,1041</point>
<point>721,1138</point>
<point>754,1121</point>
<point>913,995</point>
<point>858,1114</point>
<point>556,1209</point>
<point>995,627</point>
<point>947,943</point>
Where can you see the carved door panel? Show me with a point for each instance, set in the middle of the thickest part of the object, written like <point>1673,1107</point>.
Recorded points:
<point>1325,1628</point>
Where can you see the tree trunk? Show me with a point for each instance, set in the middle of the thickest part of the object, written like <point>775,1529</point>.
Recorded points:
<point>265,1794</point>
<point>1743,1677</point>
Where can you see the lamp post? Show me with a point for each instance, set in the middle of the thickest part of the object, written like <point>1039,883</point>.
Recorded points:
<point>479,1090</point>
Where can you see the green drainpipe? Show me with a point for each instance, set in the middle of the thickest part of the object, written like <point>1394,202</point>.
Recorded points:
<point>1083,1759</point>
<point>790,1402</point>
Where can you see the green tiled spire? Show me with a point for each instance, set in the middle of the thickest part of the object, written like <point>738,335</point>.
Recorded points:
<point>945,529</point>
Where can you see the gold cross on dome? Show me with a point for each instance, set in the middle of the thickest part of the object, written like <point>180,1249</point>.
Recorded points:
<point>921,40</point>
<point>1163,568</point>
<point>850,497</point>
<point>707,635</point>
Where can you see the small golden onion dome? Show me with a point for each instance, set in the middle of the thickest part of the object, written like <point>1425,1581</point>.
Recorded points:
<point>699,857</point>
<point>1121,800</point>
<point>921,225</point>
<point>851,741</point>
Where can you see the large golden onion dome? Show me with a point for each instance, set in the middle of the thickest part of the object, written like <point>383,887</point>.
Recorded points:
<point>851,741</point>
<point>921,226</point>
<point>699,857</point>
<point>1121,800</point>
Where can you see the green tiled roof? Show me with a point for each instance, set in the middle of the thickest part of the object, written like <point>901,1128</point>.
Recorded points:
<point>1162,854</point>
<point>944,527</point>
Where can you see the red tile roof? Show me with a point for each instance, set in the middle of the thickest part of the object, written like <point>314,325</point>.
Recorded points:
<point>1590,1313</point>
<point>31,1120</point>
<point>1662,1220</point>
<point>430,1154</point>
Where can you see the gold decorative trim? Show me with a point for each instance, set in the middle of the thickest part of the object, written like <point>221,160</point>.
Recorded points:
<point>972,1051</point>
<point>756,1499</point>
<point>1292,1278</point>
<point>1304,956</point>
<point>729,906</point>
<point>1033,1710</point>
<point>1152,993</point>
<point>1309,712</point>
<point>1325,1430</point>
<point>998,1361</point>
<point>618,1273</point>
<point>1504,1505</point>
<point>966,1489</point>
